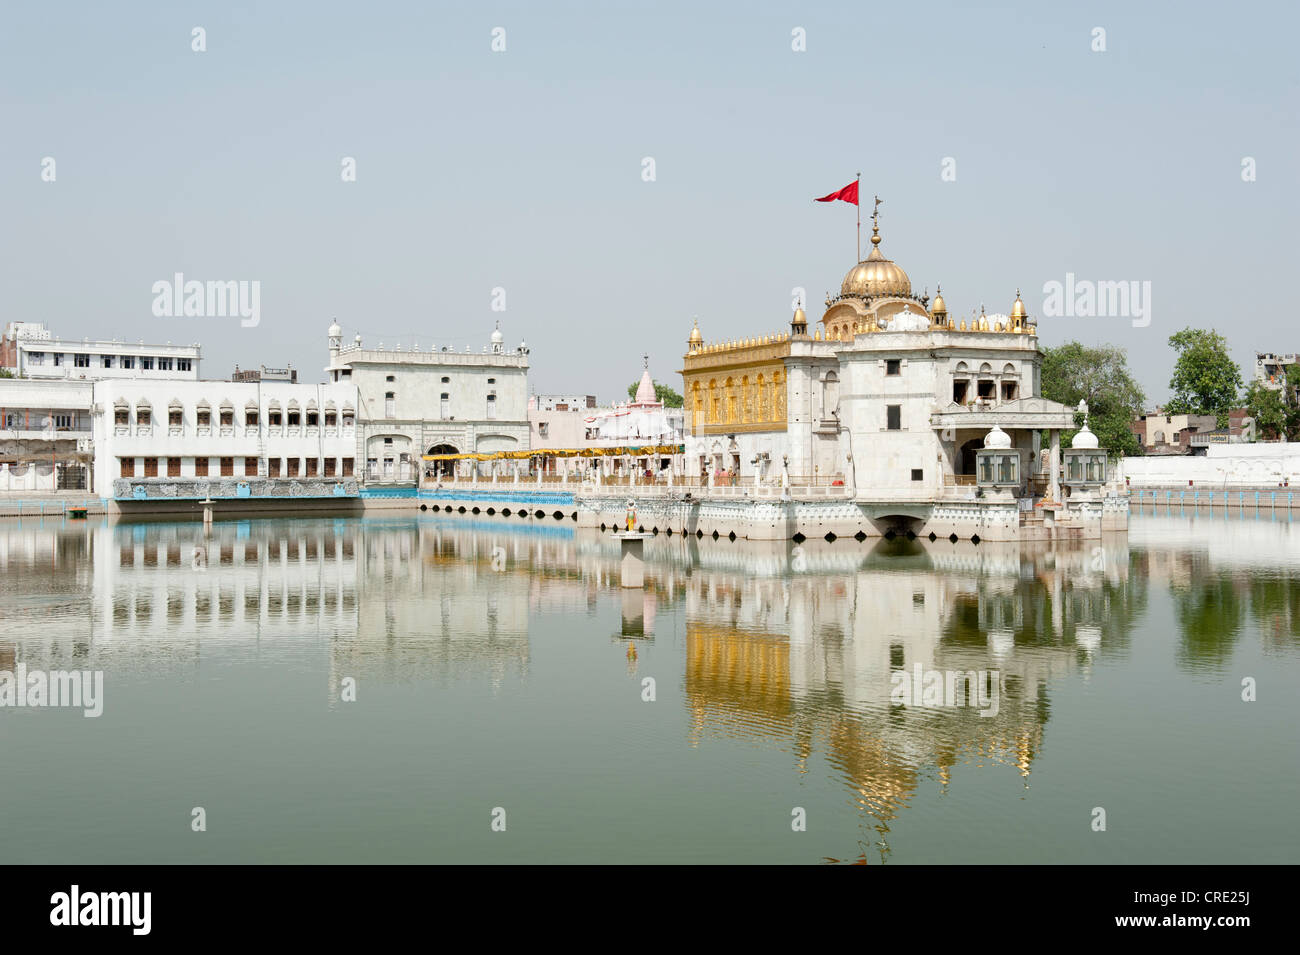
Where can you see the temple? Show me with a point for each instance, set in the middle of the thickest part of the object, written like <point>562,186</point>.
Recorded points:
<point>923,422</point>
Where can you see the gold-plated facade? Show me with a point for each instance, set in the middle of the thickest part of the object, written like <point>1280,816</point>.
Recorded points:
<point>736,386</point>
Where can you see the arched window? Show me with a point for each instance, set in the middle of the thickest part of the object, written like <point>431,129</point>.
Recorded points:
<point>492,406</point>
<point>830,394</point>
<point>390,404</point>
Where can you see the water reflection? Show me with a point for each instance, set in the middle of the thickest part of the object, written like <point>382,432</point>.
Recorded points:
<point>800,650</point>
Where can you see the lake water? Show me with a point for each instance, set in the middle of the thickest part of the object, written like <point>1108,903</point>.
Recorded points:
<point>383,689</point>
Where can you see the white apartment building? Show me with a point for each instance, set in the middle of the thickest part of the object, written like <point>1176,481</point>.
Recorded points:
<point>150,434</point>
<point>1270,368</point>
<point>411,403</point>
<point>46,433</point>
<point>29,350</point>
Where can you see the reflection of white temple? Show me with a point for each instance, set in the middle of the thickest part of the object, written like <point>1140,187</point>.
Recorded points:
<point>808,659</point>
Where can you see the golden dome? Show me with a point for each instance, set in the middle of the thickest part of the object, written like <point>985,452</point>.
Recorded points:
<point>696,338</point>
<point>939,307</point>
<point>876,275</point>
<point>1018,309</point>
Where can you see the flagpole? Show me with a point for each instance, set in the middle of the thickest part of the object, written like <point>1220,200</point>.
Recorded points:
<point>859,205</point>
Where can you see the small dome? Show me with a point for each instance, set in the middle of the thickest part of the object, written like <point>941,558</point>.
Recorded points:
<point>696,338</point>
<point>939,307</point>
<point>335,329</point>
<point>497,337</point>
<point>997,440</point>
<point>909,321</point>
<point>1084,439</point>
<point>799,317</point>
<point>1018,309</point>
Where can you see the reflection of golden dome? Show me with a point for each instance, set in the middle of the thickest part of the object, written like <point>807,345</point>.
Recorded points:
<point>696,338</point>
<point>876,275</point>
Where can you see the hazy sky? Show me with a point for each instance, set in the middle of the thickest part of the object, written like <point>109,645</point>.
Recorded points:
<point>523,169</point>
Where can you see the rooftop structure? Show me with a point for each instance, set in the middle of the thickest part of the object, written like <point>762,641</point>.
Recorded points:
<point>29,350</point>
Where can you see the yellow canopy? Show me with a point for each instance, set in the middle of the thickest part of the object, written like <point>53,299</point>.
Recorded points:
<point>560,453</point>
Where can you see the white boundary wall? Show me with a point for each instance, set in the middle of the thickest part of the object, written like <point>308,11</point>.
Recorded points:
<point>1224,465</point>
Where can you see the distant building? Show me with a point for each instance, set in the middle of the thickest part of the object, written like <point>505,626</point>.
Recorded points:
<point>412,403</point>
<point>289,374</point>
<point>561,402</point>
<point>29,350</point>
<point>1161,433</point>
<point>1270,368</point>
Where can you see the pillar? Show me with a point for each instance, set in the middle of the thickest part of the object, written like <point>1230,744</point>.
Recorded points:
<point>1054,465</point>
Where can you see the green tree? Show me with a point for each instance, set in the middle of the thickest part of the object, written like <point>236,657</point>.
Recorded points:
<point>6,373</point>
<point>1075,372</point>
<point>1206,380</point>
<point>1276,411</point>
<point>670,398</point>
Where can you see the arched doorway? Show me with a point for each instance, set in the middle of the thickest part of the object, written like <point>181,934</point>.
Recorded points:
<point>967,463</point>
<point>441,469</point>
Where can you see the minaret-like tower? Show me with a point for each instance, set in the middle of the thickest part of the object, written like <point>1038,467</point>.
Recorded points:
<point>799,324</point>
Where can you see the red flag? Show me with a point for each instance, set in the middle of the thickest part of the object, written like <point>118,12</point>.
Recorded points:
<point>848,194</point>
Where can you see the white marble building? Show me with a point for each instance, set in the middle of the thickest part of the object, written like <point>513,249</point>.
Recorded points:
<point>212,429</point>
<point>411,403</point>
